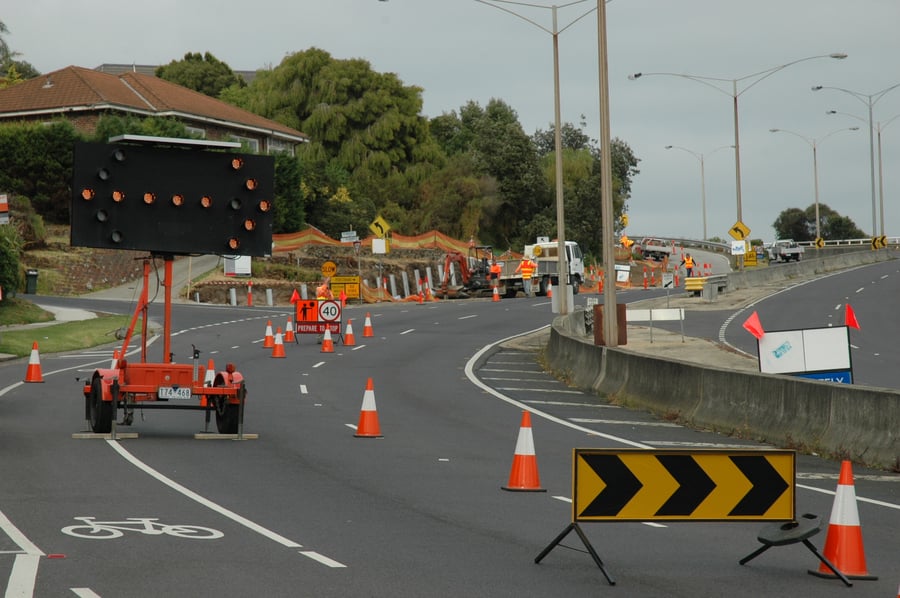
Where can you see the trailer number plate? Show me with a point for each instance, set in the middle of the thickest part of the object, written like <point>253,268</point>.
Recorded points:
<point>170,392</point>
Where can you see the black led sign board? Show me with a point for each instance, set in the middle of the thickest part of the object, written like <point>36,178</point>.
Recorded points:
<point>171,199</point>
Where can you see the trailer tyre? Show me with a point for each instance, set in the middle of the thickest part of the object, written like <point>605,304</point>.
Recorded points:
<point>226,413</point>
<point>100,410</point>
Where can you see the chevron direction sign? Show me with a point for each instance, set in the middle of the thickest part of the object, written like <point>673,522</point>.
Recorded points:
<point>683,485</point>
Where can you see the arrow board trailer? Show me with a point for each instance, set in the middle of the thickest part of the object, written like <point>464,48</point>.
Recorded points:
<point>168,197</point>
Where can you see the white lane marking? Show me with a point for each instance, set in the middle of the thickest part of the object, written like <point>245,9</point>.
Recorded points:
<point>303,390</point>
<point>548,390</point>
<point>407,331</point>
<point>872,501</point>
<point>321,363</point>
<point>470,374</point>
<point>467,317</point>
<point>357,347</point>
<point>186,492</point>
<point>351,426</point>
<point>647,523</point>
<point>572,404</point>
<point>322,559</point>
<point>23,576</point>
<point>25,545</point>
<point>85,593</point>
<point>718,445</point>
<point>860,289</point>
<point>588,420</point>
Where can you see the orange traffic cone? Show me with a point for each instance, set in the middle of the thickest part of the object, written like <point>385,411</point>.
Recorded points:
<point>33,373</point>
<point>278,347</point>
<point>289,332</point>
<point>349,339</point>
<point>327,343</point>
<point>844,543</point>
<point>210,378</point>
<point>496,296</point>
<point>549,288</point>
<point>524,474</point>
<point>115,360</point>
<point>367,328</point>
<point>269,340</point>
<point>368,415</point>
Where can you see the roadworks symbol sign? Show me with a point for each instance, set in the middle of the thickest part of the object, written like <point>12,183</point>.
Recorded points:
<point>683,485</point>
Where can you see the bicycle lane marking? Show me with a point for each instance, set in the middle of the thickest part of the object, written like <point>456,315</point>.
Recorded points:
<point>239,519</point>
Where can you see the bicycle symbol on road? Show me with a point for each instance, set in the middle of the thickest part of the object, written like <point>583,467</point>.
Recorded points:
<point>107,530</point>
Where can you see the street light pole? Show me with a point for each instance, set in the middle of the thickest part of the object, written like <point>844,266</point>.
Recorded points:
<point>561,291</point>
<point>869,100</point>
<point>701,159</point>
<point>751,80</point>
<point>813,143</point>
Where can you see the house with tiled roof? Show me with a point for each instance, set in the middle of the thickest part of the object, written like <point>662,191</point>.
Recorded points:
<point>83,95</point>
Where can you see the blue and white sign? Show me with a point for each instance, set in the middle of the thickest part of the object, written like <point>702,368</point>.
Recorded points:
<point>819,353</point>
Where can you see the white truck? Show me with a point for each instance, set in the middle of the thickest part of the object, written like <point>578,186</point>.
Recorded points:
<point>785,250</point>
<point>545,254</point>
<point>655,249</point>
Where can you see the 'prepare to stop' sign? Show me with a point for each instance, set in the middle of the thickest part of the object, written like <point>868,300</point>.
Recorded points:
<point>329,311</point>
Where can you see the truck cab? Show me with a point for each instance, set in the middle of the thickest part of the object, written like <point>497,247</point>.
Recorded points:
<point>546,255</point>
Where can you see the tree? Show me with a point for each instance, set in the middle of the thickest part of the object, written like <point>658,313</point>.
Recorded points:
<point>203,73</point>
<point>37,164</point>
<point>366,132</point>
<point>10,249</point>
<point>800,225</point>
<point>793,223</point>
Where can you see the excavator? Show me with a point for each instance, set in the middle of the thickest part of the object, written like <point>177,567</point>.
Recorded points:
<point>473,270</point>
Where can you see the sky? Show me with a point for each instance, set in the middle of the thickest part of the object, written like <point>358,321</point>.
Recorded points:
<point>466,50</point>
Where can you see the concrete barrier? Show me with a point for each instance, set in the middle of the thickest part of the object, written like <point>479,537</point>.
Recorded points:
<point>834,420</point>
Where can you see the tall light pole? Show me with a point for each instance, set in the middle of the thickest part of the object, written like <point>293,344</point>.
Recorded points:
<point>869,100</point>
<point>561,291</point>
<point>701,159</point>
<point>813,143</point>
<point>717,83</point>
<point>880,128</point>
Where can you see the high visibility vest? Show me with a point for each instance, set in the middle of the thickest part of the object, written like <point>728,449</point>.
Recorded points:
<point>688,262</point>
<point>323,293</point>
<point>527,268</point>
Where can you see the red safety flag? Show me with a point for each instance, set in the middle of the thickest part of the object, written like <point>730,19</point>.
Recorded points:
<point>753,325</point>
<point>295,296</point>
<point>850,318</point>
<point>343,297</point>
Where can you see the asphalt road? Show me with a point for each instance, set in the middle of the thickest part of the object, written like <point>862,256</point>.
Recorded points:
<point>307,509</point>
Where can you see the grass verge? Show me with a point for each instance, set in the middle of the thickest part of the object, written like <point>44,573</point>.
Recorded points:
<point>67,336</point>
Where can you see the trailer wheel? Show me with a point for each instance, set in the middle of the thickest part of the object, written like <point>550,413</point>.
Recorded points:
<point>100,410</point>
<point>226,413</point>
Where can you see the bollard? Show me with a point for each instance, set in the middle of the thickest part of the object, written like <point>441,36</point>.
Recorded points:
<point>269,297</point>
<point>232,296</point>
<point>197,297</point>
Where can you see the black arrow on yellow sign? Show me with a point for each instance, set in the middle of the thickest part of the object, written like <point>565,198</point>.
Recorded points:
<point>687,485</point>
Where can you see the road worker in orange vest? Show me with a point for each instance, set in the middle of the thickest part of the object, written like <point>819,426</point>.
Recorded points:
<point>688,263</point>
<point>323,293</point>
<point>527,268</point>
<point>494,273</point>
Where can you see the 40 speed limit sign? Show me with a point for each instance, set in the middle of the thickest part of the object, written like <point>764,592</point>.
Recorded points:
<point>329,311</point>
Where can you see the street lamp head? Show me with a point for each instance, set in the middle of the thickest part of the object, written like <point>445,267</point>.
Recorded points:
<point>853,129</point>
<point>831,112</point>
<point>774,130</point>
<point>816,87</point>
<point>669,146</point>
<point>838,55</point>
<point>634,76</point>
